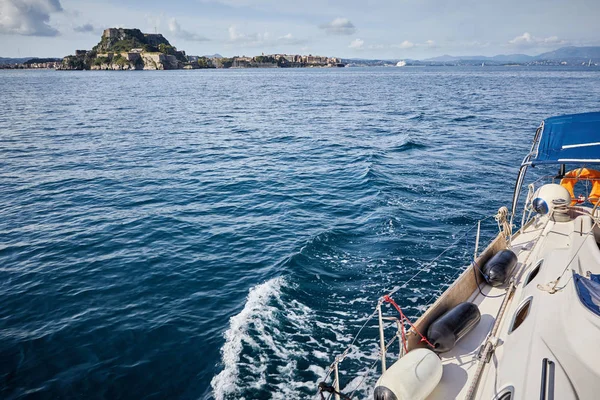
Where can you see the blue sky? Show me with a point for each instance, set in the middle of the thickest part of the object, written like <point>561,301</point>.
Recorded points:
<point>414,29</point>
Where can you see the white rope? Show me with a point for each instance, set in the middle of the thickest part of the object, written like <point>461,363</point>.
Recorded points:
<point>502,219</point>
<point>528,209</point>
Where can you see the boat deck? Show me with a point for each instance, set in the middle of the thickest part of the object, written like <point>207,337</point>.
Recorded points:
<point>460,363</point>
<point>556,326</point>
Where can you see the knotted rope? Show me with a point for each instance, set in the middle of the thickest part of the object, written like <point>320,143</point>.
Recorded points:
<point>502,219</point>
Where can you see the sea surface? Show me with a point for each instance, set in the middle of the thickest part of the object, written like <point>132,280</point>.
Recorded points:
<point>224,233</point>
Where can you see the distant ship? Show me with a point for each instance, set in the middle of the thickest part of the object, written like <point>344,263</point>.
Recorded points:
<point>401,64</point>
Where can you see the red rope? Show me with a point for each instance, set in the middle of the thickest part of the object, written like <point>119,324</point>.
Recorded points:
<point>403,318</point>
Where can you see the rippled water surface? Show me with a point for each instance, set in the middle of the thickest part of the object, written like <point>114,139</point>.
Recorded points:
<point>221,234</point>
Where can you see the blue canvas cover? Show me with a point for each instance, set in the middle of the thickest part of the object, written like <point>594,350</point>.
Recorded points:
<point>569,139</point>
<point>589,292</point>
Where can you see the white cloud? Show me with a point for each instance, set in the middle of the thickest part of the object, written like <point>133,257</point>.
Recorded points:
<point>253,39</point>
<point>404,45</point>
<point>524,38</point>
<point>357,44</point>
<point>339,26</point>
<point>265,39</point>
<point>528,40</point>
<point>234,35</point>
<point>475,44</point>
<point>407,45</point>
<point>176,30</point>
<point>290,39</point>
<point>360,44</point>
<point>28,17</point>
<point>85,28</point>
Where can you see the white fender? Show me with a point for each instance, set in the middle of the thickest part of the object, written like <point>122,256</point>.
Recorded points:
<point>413,377</point>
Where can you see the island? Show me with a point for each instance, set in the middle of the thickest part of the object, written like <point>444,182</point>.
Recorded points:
<point>130,49</point>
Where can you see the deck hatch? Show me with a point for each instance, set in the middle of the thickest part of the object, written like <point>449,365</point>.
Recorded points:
<point>533,273</point>
<point>520,315</point>
<point>505,394</point>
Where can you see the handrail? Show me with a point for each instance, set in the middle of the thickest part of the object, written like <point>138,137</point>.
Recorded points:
<point>381,338</point>
<point>544,378</point>
<point>547,381</point>
<point>336,384</point>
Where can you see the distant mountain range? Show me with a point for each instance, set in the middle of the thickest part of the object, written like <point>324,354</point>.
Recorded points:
<point>571,53</point>
<point>8,60</point>
<point>499,58</point>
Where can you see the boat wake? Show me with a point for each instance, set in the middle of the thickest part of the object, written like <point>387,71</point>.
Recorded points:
<point>277,347</point>
<point>265,342</point>
<point>253,315</point>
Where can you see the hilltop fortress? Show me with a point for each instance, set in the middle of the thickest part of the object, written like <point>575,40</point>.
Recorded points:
<point>127,49</point>
<point>130,49</point>
<point>153,39</point>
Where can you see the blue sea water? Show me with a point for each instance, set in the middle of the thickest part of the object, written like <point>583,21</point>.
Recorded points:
<point>223,233</point>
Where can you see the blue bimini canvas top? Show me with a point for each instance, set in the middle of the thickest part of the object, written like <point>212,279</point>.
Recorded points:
<point>589,292</point>
<point>568,139</point>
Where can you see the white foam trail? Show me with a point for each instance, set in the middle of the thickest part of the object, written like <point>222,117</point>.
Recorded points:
<point>274,332</point>
<point>256,305</point>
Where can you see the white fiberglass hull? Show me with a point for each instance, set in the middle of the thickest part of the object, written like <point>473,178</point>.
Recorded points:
<point>554,347</point>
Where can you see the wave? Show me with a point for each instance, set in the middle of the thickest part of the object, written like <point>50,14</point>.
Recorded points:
<point>409,145</point>
<point>225,382</point>
<point>465,118</point>
<point>419,117</point>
